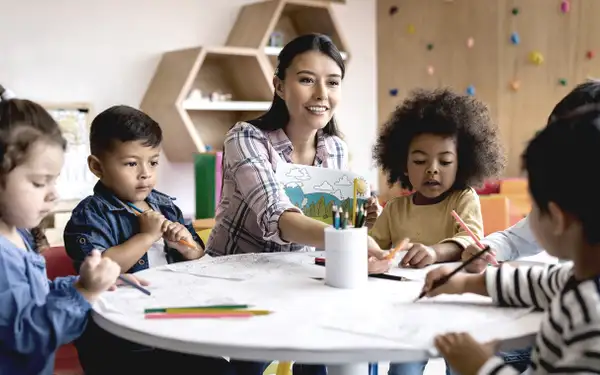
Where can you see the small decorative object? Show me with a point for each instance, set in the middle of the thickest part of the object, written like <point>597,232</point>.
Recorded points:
<point>430,70</point>
<point>590,54</point>
<point>471,90</point>
<point>565,6</point>
<point>515,85</point>
<point>393,92</point>
<point>195,95</point>
<point>562,82</point>
<point>514,38</point>
<point>214,96</point>
<point>393,10</point>
<point>515,11</point>
<point>276,39</point>
<point>536,58</point>
<point>411,29</point>
<point>429,46</point>
<point>225,97</point>
<point>470,42</point>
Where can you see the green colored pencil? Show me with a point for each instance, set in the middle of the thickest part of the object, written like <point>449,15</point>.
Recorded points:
<point>215,307</point>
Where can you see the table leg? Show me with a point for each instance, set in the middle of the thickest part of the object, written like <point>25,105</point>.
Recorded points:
<point>348,369</point>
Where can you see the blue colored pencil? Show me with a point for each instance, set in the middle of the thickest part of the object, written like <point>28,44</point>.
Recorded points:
<point>131,283</point>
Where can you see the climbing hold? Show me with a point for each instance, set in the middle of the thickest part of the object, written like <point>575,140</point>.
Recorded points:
<point>514,38</point>
<point>393,10</point>
<point>562,82</point>
<point>471,90</point>
<point>515,85</point>
<point>590,55</point>
<point>536,57</point>
<point>430,70</point>
<point>393,92</point>
<point>208,148</point>
<point>515,11</point>
<point>429,46</point>
<point>565,6</point>
<point>470,42</point>
<point>411,29</point>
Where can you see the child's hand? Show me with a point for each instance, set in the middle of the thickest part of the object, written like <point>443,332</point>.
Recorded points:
<point>153,224</point>
<point>373,210</point>
<point>134,279</point>
<point>175,232</point>
<point>378,262</point>
<point>97,274</point>
<point>418,256</point>
<point>465,355</point>
<point>455,285</point>
<point>478,265</point>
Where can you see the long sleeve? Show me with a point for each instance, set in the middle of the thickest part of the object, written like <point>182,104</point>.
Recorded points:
<point>32,322</point>
<point>248,160</point>
<point>580,354</point>
<point>526,286</point>
<point>468,208</point>
<point>381,231</point>
<point>515,242</point>
<point>496,366</point>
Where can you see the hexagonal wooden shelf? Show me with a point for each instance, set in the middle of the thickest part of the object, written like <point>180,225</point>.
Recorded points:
<point>256,23</point>
<point>192,122</point>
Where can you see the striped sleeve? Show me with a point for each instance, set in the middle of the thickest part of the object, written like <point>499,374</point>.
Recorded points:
<point>581,354</point>
<point>497,366</point>
<point>247,156</point>
<point>526,286</point>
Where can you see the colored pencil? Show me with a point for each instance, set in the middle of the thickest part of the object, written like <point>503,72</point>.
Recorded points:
<point>386,276</point>
<point>214,315</point>
<point>207,307</point>
<point>354,200</point>
<point>345,220</point>
<point>183,242</point>
<point>466,229</point>
<point>401,245</point>
<point>131,283</point>
<point>202,311</point>
<point>441,281</point>
<point>336,219</point>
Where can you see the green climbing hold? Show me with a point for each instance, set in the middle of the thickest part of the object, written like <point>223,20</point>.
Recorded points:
<point>562,81</point>
<point>430,46</point>
<point>515,11</point>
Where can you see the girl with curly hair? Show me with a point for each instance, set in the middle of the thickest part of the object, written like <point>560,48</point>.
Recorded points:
<point>438,144</point>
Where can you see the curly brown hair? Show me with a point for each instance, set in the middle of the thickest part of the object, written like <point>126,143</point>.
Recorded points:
<point>446,113</point>
<point>22,123</point>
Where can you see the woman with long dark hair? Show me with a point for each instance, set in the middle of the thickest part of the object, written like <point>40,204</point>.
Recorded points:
<point>254,214</point>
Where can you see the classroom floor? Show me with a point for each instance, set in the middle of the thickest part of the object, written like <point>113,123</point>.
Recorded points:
<point>434,367</point>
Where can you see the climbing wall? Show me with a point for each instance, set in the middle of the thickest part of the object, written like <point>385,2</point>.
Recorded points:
<point>519,56</point>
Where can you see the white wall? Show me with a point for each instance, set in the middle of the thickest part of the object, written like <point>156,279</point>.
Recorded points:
<point>105,53</point>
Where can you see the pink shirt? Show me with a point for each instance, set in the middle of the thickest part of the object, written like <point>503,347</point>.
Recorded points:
<point>252,202</point>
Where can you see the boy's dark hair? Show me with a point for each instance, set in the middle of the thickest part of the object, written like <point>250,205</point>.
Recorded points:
<point>122,123</point>
<point>23,123</point>
<point>585,93</point>
<point>445,113</point>
<point>564,152</point>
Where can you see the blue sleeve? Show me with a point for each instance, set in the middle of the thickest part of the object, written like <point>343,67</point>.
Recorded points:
<point>85,231</point>
<point>189,227</point>
<point>37,326</point>
<point>515,242</point>
<point>62,282</point>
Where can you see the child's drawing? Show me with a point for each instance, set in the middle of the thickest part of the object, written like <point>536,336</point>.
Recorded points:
<point>316,190</point>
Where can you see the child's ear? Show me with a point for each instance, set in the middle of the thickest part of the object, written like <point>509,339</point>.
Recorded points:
<point>95,166</point>
<point>278,84</point>
<point>559,219</point>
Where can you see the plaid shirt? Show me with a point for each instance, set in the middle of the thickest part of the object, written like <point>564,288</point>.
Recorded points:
<point>252,202</point>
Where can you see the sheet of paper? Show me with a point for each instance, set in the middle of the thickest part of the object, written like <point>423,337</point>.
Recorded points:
<point>416,324</point>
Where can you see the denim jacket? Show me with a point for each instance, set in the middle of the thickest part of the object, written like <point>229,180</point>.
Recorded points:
<point>102,221</point>
<point>36,315</point>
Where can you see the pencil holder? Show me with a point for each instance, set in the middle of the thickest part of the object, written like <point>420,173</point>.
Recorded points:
<point>346,254</point>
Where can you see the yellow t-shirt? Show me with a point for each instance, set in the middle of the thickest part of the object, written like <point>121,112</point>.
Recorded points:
<point>429,224</point>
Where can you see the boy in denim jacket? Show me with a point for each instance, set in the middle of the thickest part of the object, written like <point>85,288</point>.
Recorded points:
<point>125,148</point>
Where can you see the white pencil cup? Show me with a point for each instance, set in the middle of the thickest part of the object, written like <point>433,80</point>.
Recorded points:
<point>346,264</point>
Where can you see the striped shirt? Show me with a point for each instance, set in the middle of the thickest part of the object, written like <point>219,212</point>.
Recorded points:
<point>569,338</point>
<point>247,220</point>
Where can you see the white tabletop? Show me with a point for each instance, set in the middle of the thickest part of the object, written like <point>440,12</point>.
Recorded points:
<point>311,322</point>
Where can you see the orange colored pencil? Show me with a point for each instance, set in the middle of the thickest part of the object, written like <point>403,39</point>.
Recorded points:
<point>401,245</point>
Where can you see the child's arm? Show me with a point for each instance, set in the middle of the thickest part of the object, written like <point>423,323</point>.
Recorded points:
<point>30,325</point>
<point>469,210</point>
<point>89,230</point>
<point>381,232</point>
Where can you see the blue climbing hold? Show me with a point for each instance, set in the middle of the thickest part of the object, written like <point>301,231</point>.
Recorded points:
<point>208,148</point>
<point>393,92</point>
<point>514,38</point>
<point>471,90</point>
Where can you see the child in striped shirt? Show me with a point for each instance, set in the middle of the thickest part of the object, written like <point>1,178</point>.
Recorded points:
<point>566,223</point>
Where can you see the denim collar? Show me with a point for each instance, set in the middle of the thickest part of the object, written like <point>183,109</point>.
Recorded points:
<point>112,203</point>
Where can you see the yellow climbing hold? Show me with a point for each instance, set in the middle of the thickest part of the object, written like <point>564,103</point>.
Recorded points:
<point>536,57</point>
<point>411,29</point>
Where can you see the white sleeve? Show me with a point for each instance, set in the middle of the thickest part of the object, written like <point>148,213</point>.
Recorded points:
<point>515,242</point>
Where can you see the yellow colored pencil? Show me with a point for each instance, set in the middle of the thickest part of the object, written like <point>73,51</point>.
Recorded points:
<point>228,311</point>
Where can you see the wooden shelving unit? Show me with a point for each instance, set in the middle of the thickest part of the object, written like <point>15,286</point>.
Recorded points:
<point>244,68</point>
<point>257,21</point>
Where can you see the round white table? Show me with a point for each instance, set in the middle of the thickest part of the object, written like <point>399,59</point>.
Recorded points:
<point>311,322</point>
